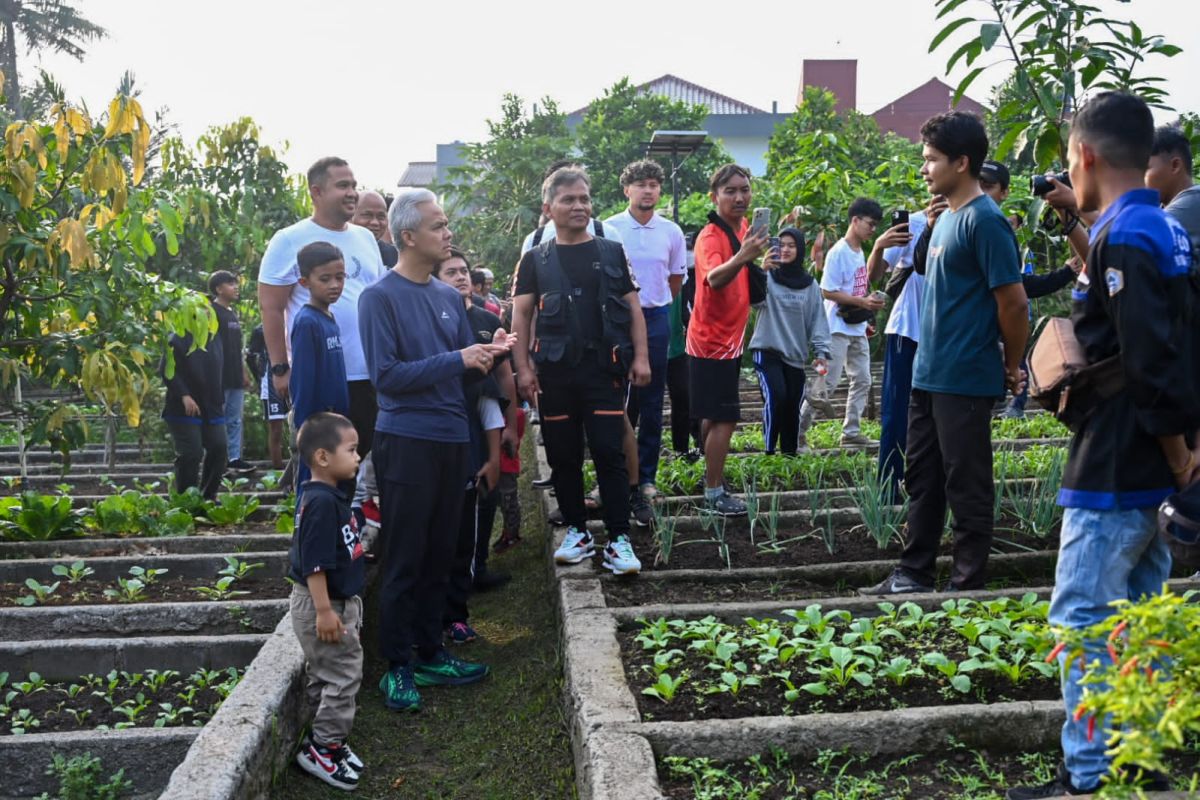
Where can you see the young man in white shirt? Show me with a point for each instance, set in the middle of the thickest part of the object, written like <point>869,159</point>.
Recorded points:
<point>846,284</point>
<point>334,195</point>
<point>657,254</point>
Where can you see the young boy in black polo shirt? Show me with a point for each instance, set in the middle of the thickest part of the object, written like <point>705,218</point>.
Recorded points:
<point>328,575</point>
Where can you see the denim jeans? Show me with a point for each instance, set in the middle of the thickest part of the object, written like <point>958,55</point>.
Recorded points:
<point>899,354</point>
<point>646,402</point>
<point>1102,556</point>
<point>233,422</point>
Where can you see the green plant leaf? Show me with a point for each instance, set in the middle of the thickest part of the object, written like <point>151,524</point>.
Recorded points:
<point>989,32</point>
<point>945,32</point>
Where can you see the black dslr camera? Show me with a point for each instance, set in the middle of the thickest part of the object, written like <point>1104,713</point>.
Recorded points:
<point>1040,185</point>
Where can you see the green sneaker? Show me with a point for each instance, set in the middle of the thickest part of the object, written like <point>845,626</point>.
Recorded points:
<point>400,690</point>
<point>446,670</point>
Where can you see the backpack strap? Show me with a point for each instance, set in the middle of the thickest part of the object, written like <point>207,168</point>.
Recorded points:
<point>599,226</point>
<point>537,236</point>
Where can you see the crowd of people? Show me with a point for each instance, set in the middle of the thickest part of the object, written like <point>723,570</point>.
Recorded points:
<point>408,383</point>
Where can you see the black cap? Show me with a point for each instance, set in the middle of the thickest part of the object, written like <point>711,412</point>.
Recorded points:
<point>994,172</point>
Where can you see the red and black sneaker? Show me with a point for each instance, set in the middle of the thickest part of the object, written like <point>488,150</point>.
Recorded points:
<point>330,764</point>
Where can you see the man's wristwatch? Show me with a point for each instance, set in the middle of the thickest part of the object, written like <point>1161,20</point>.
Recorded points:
<point>280,369</point>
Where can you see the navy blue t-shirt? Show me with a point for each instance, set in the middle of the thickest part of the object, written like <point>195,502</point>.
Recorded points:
<point>327,540</point>
<point>318,379</point>
<point>971,253</point>
<point>411,334</point>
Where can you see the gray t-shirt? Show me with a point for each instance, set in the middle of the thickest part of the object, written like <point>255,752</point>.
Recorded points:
<point>1186,208</point>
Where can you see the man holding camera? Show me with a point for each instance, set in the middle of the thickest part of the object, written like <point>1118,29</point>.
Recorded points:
<point>1135,309</point>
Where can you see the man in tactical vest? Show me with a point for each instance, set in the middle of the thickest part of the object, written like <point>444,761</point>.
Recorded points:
<point>591,338</point>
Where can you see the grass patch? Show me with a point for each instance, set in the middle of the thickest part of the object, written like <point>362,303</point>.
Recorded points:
<point>503,738</point>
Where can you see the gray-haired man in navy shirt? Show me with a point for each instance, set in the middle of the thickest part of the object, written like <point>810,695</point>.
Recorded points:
<point>419,349</point>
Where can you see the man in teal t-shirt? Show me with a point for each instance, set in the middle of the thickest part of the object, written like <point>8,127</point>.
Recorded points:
<point>973,299</point>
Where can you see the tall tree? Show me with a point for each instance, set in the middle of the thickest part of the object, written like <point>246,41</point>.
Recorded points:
<point>43,25</point>
<point>616,128</point>
<point>495,198</point>
<point>1060,50</point>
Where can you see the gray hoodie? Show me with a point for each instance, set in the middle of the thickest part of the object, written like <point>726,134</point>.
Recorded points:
<point>790,322</point>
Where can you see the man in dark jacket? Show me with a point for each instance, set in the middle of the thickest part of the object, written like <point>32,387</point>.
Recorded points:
<point>1136,303</point>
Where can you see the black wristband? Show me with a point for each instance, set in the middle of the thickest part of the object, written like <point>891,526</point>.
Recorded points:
<point>1071,224</point>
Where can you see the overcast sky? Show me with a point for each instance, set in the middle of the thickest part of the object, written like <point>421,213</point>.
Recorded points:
<point>381,83</point>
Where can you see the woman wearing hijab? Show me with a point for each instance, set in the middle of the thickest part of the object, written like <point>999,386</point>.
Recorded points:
<point>791,325</point>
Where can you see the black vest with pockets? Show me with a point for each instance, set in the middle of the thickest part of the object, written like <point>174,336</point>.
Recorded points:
<point>559,332</point>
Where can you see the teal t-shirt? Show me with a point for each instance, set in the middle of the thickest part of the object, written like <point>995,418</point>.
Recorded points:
<point>971,252</point>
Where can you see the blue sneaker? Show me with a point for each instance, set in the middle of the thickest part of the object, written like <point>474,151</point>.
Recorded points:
<point>460,633</point>
<point>446,670</point>
<point>400,690</point>
<point>620,558</point>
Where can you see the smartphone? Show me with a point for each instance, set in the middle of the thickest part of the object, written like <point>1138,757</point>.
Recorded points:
<point>761,222</point>
<point>899,217</point>
<point>773,247</point>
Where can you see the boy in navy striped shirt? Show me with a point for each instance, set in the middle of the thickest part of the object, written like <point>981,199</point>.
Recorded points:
<point>318,379</point>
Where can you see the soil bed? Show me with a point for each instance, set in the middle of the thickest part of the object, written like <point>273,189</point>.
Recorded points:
<point>166,589</point>
<point>94,706</point>
<point>957,774</point>
<point>799,547</point>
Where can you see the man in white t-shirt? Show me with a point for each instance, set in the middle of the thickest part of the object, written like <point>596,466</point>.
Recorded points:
<point>900,349</point>
<point>334,195</point>
<point>846,284</point>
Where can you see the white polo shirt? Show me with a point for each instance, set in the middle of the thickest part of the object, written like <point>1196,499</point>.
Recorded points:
<point>656,251</point>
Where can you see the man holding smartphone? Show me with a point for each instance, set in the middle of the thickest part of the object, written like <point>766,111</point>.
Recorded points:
<point>725,247</point>
<point>846,284</point>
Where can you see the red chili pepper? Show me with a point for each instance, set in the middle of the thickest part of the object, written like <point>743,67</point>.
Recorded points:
<point>1150,673</point>
<point>1091,727</point>
<point>1112,653</point>
<point>1129,665</point>
<point>1117,631</point>
<point>1159,643</point>
<point>1080,711</point>
<point>1058,648</point>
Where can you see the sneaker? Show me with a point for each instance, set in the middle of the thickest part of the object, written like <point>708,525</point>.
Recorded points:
<point>446,670</point>
<point>803,449</point>
<point>577,546</point>
<point>648,490</point>
<point>543,483</point>
<point>1013,413</point>
<point>460,633</point>
<point>897,583</point>
<point>620,558</point>
<point>857,440</point>
<point>241,466</point>
<point>400,690</point>
<point>692,456</point>
<point>352,759</point>
<point>726,505</point>
<point>371,515</point>
<point>639,509</point>
<point>508,539</point>
<point>1060,785</point>
<point>486,580</point>
<point>822,405</point>
<point>327,763</point>
<point>592,501</point>
<point>556,518</point>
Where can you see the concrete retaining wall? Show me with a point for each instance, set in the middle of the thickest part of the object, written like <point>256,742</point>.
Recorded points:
<point>69,658</point>
<point>142,619</point>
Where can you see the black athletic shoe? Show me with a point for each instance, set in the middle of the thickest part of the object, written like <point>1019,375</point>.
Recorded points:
<point>639,508</point>
<point>240,466</point>
<point>487,581</point>
<point>556,517</point>
<point>543,483</point>
<point>1058,787</point>
<point>896,583</point>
